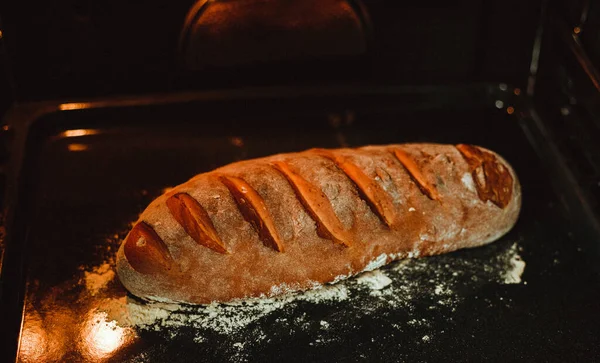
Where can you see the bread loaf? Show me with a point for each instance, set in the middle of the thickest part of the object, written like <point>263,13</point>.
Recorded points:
<point>291,222</point>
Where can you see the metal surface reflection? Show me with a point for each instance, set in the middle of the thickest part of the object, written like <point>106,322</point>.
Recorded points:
<point>79,132</point>
<point>33,343</point>
<point>41,344</point>
<point>81,319</point>
<point>77,147</point>
<point>73,106</point>
<point>101,338</point>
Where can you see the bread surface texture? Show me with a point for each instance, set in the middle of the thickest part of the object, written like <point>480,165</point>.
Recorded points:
<point>292,222</point>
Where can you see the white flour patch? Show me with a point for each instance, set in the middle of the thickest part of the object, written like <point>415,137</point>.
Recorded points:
<point>98,278</point>
<point>376,263</point>
<point>517,267</point>
<point>375,280</point>
<point>468,182</point>
<point>341,278</point>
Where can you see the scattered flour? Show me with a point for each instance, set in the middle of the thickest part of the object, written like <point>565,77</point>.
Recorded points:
<point>517,267</point>
<point>375,280</point>
<point>377,262</point>
<point>98,278</point>
<point>401,285</point>
<point>468,182</point>
<point>224,318</point>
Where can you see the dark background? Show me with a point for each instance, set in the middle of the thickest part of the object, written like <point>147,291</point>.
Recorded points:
<point>87,48</point>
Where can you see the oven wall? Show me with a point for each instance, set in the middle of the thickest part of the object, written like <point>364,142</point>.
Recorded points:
<point>82,48</point>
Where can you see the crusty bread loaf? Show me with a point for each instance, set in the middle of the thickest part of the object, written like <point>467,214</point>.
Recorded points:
<point>292,222</point>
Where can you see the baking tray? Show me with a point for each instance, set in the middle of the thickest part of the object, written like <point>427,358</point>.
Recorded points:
<point>81,173</point>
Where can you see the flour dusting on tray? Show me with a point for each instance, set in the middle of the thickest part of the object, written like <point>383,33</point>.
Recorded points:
<point>516,267</point>
<point>99,277</point>
<point>404,285</point>
<point>402,300</point>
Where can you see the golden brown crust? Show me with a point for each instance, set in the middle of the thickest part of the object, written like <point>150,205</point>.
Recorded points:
<point>415,173</point>
<point>493,180</point>
<point>253,209</point>
<point>195,221</point>
<point>145,251</point>
<point>317,204</point>
<point>379,201</point>
<point>332,214</point>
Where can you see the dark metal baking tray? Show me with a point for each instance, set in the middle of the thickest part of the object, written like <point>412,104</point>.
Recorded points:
<point>81,172</point>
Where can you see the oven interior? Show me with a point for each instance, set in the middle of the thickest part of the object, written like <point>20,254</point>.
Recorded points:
<point>79,170</point>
